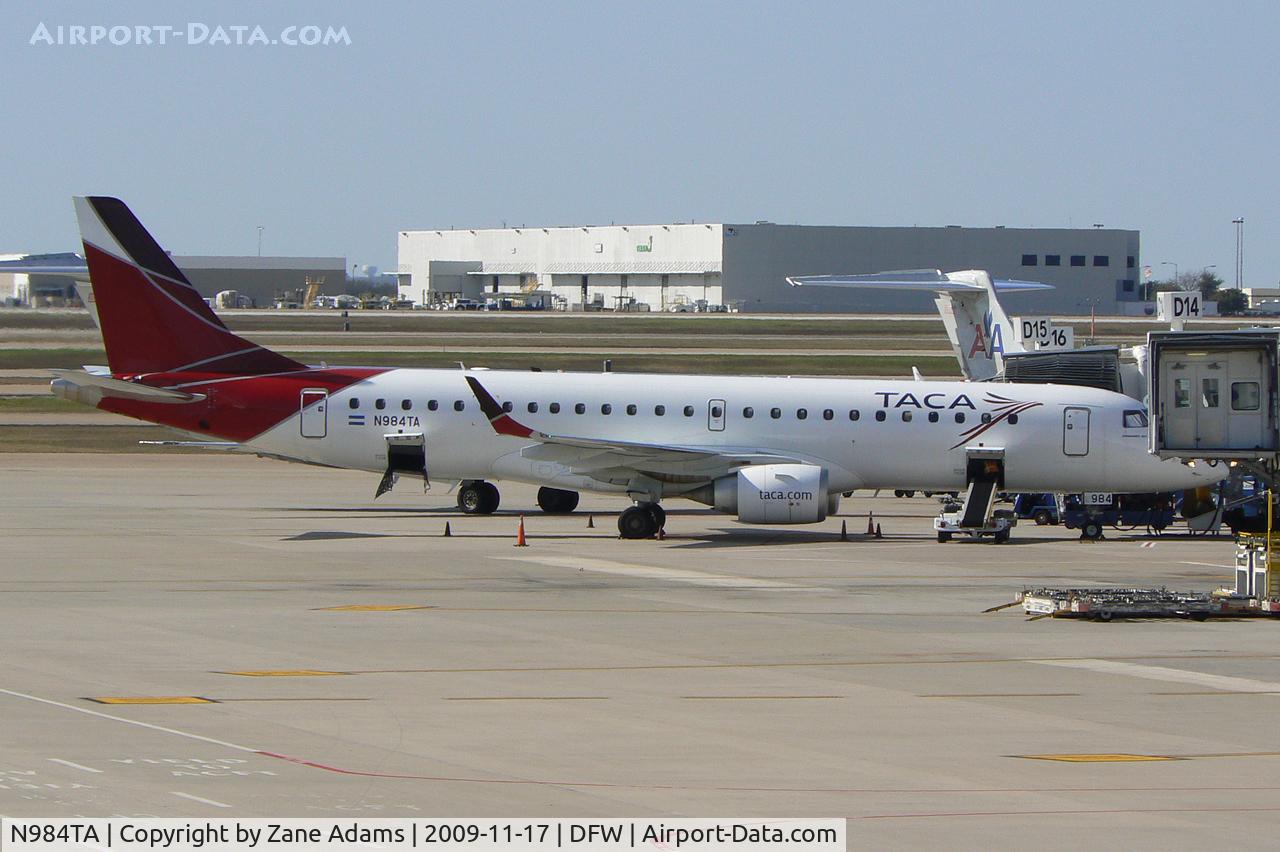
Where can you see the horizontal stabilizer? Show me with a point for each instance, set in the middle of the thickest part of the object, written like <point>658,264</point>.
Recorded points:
<point>230,446</point>
<point>70,384</point>
<point>934,280</point>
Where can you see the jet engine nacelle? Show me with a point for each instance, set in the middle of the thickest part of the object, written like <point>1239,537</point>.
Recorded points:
<point>773,494</point>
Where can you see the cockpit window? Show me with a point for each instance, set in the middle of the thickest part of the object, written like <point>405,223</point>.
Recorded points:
<point>1135,419</point>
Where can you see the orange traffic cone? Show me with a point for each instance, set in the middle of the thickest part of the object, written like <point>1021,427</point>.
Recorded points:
<point>878,535</point>
<point>520,542</point>
<point>447,532</point>
<point>591,522</point>
<point>844,531</point>
<point>871,523</point>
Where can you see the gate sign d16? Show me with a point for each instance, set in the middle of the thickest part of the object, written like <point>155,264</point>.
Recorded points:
<point>1176,307</point>
<point>1041,333</point>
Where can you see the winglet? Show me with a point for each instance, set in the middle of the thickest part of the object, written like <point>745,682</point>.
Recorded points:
<point>502,423</point>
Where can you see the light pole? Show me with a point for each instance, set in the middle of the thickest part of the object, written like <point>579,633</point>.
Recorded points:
<point>1175,270</point>
<point>259,241</point>
<point>1239,223</point>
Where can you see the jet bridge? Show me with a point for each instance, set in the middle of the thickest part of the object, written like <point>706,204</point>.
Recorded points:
<point>1213,395</point>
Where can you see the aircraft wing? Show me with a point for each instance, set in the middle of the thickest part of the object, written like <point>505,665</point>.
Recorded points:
<point>588,455</point>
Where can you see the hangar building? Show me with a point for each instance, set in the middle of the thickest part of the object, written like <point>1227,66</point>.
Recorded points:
<point>261,279</point>
<point>744,266</point>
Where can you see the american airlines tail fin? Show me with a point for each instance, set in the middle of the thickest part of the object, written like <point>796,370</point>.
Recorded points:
<point>979,330</point>
<point>152,319</point>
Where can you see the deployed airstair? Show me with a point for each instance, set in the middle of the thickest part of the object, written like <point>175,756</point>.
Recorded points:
<point>977,516</point>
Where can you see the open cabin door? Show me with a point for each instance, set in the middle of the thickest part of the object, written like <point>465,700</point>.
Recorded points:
<point>407,454</point>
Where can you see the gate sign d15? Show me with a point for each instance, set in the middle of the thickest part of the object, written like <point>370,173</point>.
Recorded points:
<point>1173,307</point>
<point>1041,333</point>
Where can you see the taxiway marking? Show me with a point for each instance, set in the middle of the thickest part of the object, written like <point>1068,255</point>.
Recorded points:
<point>1164,673</point>
<point>199,799</point>
<point>134,722</point>
<point>650,572</point>
<point>74,765</point>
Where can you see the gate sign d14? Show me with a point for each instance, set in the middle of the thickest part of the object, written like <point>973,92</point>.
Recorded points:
<point>1173,307</point>
<point>1041,333</point>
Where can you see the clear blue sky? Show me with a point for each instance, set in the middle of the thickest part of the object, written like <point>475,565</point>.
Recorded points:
<point>1156,116</point>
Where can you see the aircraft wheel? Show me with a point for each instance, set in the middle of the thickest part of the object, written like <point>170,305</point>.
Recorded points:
<point>659,515</point>
<point>637,522</point>
<point>478,498</point>
<point>556,501</point>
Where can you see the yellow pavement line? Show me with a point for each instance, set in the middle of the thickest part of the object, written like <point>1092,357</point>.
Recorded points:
<point>371,608</point>
<point>1097,758</point>
<point>151,699</point>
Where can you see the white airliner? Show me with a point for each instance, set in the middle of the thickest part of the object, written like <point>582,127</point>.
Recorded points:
<point>768,450</point>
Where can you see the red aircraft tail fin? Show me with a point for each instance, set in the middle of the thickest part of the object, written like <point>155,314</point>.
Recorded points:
<point>152,319</point>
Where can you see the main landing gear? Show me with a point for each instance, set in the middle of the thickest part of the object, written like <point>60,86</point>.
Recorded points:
<point>477,497</point>
<point>641,521</point>
<point>555,501</point>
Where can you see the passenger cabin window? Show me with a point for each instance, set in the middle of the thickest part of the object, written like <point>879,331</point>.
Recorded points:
<point>379,404</point>
<point>508,406</point>
<point>631,409</point>
<point>959,416</point>
<point>906,416</point>
<point>533,408</point>
<point>580,408</point>
<point>459,405</point>
<point>1135,419</point>
<point>554,408</point>
<point>854,414</point>
<point>748,413</point>
<point>354,403</point>
<point>1245,396</point>
<point>775,413</point>
<point>717,411</point>
<point>880,415</point>
<point>688,411</point>
<point>828,414</point>
<point>659,410</point>
<point>405,405</point>
<point>606,409</point>
<point>432,404</point>
<point>1013,420</point>
<point>802,414</point>
<point>933,417</point>
<point>986,417</point>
